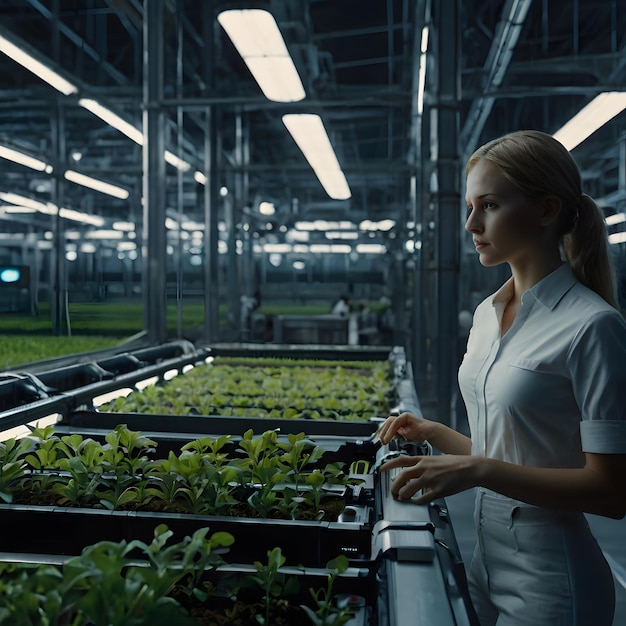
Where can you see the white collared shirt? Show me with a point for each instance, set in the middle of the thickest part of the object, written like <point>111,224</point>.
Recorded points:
<point>554,385</point>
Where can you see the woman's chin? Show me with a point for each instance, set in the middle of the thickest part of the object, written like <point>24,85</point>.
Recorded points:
<point>486,261</point>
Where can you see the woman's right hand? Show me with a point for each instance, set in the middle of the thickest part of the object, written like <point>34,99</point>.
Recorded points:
<point>406,425</point>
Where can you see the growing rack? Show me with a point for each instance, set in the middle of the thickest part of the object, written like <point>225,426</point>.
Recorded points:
<point>408,551</point>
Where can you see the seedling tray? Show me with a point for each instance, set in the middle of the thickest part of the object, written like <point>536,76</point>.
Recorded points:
<point>203,425</point>
<point>355,588</point>
<point>64,530</point>
<point>69,529</point>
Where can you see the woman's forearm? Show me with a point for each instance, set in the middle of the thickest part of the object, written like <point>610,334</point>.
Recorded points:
<point>582,489</point>
<point>448,440</point>
<point>596,488</point>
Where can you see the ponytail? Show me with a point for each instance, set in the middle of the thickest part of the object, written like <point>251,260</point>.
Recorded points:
<point>586,249</point>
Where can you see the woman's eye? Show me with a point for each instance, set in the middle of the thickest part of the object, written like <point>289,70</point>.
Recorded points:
<point>489,205</point>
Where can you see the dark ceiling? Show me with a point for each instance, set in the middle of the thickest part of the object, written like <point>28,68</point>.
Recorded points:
<point>521,65</point>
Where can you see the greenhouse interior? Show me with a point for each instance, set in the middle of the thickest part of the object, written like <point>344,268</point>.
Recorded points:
<point>233,244</point>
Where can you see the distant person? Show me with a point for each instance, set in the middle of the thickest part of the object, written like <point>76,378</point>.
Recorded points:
<point>341,307</point>
<point>248,305</point>
<point>543,382</point>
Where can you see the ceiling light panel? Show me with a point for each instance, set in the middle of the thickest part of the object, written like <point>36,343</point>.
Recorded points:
<point>309,133</point>
<point>603,108</point>
<point>258,40</point>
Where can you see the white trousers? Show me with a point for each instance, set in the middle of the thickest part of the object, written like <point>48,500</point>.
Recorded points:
<point>537,567</point>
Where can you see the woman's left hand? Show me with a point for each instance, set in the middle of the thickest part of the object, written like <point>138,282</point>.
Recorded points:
<point>437,476</point>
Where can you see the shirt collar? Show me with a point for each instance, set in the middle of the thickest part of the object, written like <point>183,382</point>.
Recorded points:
<point>505,293</point>
<point>554,286</point>
<point>548,290</point>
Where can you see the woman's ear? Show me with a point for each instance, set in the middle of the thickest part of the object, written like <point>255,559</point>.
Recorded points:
<point>551,209</point>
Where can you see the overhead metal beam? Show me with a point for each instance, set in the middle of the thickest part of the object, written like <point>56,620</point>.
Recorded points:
<point>513,16</point>
<point>80,43</point>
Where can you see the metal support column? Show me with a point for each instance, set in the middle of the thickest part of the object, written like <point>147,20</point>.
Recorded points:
<point>229,203</point>
<point>400,295</point>
<point>179,178</point>
<point>233,213</point>
<point>58,266</point>
<point>211,194</point>
<point>416,344</point>
<point>154,247</point>
<point>418,156</point>
<point>246,275</point>
<point>447,203</point>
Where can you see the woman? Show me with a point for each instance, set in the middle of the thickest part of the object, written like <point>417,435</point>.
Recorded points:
<point>543,381</point>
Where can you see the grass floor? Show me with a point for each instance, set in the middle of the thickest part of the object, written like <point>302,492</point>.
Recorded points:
<point>94,325</point>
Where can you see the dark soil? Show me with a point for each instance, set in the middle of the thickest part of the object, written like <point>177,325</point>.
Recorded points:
<point>330,508</point>
<point>242,614</point>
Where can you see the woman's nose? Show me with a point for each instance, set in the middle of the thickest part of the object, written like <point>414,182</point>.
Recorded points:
<point>472,224</point>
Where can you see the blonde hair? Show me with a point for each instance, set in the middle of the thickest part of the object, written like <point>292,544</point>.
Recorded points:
<point>539,166</point>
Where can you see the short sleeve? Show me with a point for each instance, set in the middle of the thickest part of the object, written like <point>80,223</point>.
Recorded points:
<point>603,436</point>
<point>597,365</point>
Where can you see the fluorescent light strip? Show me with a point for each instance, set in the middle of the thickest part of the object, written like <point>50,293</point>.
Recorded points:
<point>258,40</point>
<point>12,209</point>
<point>124,226</point>
<point>309,133</point>
<point>383,225</point>
<point>279,248</point>
<point>196,227</point>
<point>104,234</point>
<point>324,225</point>
<point>598,112</point>
<point>315,248</point>
<point>24,159</point>
<point>81,179</point>
<point>23,204</point>
<point>341,235</point>
<point>371,248</point>
<point>23,201</point>
<point>128,129</point>
<point>302,236</point>
<point>617,238</point>
<point>326,248</point>
<point>112,119</point>
<point>84,218</point>
<point>19,55</point>
<point>611,220</point>
<point>97,185</point>
<point>422,71</point>
<point>177,162</point>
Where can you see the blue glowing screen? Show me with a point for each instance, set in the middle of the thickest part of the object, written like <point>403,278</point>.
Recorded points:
<point>10,274</point>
